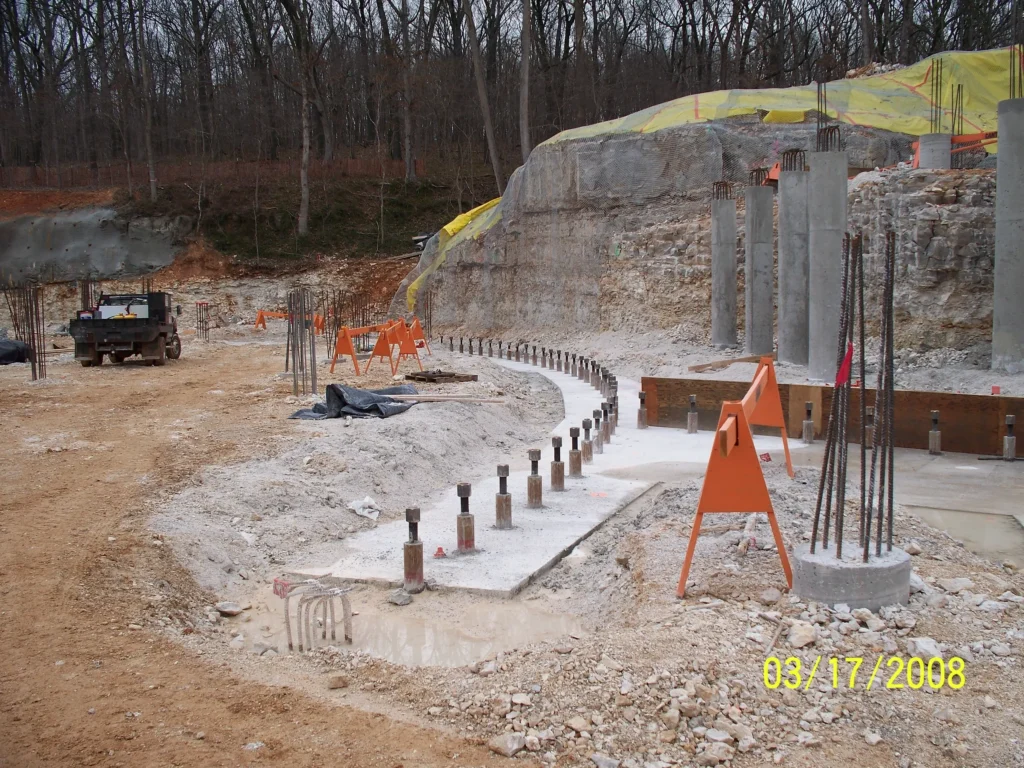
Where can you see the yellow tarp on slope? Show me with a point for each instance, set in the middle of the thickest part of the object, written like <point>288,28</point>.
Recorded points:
<point>895,101</point>
<point>467,224</point>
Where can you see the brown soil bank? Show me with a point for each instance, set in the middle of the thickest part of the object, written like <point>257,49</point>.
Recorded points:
<point>79,684</point>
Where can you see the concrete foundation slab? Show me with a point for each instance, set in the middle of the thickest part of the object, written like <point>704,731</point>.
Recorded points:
<point>820,577</point>
<point>1008,281</point>
<point>507,560</point>
<point>760,261</point>
<point>794,262</point>
<point>827,193</point>
<point>723,273</point>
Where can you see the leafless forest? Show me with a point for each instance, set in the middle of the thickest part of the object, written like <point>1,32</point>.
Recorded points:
<point>89,82</point>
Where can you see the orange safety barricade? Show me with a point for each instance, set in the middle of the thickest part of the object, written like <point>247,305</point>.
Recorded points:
<point>402,336</point>
<point>344,346</point>
<point>418,336</point>
<point>734,482</point>
<point>763,404</point>
<point>382,350</point>
<point>319,324</point>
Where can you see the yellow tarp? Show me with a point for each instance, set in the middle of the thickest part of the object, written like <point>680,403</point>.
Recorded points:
<point>468,224</point>
<point>895,101</point>
<point>456,225</point>
<point>784,116</point>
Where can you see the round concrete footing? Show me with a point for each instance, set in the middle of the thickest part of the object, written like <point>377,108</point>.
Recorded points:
<point>883,580</point>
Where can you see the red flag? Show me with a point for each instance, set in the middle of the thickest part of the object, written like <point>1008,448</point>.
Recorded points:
<point>765,457</point>
<point>844,370</point>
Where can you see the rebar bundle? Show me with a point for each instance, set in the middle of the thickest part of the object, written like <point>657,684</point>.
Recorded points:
<point>1016,51</point>
<point>757,176</point>
<point>957,92</point>
<point>794,160</point>
<point>300,349</point>
<point>936,97</point>
<point>203,320</point>
<point>882,454</point>
<point>26,307</point>
<point>828,137</point>
<point>834,463</point>
<point>721,190</point>
<point>86,294</point>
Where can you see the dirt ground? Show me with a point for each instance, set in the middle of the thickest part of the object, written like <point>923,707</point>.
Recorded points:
<point>79,684</point>
<point>16,202</point>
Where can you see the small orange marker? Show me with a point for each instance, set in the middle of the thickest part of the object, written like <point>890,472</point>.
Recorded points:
<point>440,552</point>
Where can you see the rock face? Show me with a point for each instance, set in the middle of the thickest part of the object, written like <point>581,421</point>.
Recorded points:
<point>592,229</point>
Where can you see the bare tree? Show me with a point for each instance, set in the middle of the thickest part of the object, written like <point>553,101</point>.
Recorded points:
<point>481,90</point>
<point>524,83</point>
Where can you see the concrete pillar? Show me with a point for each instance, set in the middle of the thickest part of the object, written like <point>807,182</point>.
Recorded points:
<point>1007,304</point>
<point>794,262</point>
<point>723,273</point>
<point>827,192</point>
<point>760,261</point>
<point>933,151</point>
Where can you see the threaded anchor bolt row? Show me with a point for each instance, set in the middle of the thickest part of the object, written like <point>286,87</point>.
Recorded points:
<point>534,487</point>
<point>503,501</point>
<point>557,467</point>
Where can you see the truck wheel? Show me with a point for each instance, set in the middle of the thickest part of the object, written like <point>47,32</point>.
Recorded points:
<point>97,358</point>
<point>174,347</point>
<point>86,363</point>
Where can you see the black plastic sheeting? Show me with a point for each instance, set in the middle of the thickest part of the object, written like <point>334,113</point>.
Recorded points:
<point>12,351</point>
<point>359,403</point>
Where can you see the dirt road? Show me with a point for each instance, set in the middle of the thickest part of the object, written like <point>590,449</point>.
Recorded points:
<point>83,454</point>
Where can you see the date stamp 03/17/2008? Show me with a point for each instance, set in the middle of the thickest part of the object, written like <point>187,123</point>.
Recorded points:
<point>893,672</point>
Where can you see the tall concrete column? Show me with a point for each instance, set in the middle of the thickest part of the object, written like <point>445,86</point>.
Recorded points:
<point>1008,299</point>
<point>760,253</point>
<point>723,273</point>
<point>793,266</point>
<point>934,151</point>
<point>827,195</point>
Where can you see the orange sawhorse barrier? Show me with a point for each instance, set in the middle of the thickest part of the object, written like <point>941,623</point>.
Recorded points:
<point>766,410</point>
<point>261,320</point>
<point>393,338</point>
<point>734,482</point>
<point>345,346</point>
<point>418,336</point>
<point>402,337</point>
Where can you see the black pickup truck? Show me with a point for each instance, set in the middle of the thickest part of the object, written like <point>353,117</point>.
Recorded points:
<point>123,325</point>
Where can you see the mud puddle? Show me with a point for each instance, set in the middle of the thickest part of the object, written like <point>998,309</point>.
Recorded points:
<point>996,537</point>
<point>439,630</point>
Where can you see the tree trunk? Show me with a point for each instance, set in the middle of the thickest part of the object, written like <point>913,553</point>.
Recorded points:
<point>524,83</point>
<point>481,89</point>
<point>867,54</point>
<point>304,166</point>
<point>410,162</point>
<point>579,23</point>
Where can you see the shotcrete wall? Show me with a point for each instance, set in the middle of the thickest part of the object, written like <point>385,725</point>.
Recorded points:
<point>88,242</point>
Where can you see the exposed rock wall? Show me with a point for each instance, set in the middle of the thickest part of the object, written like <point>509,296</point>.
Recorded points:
<point>945,243</point>
<point>608,232</point>
<point>615,234</point>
